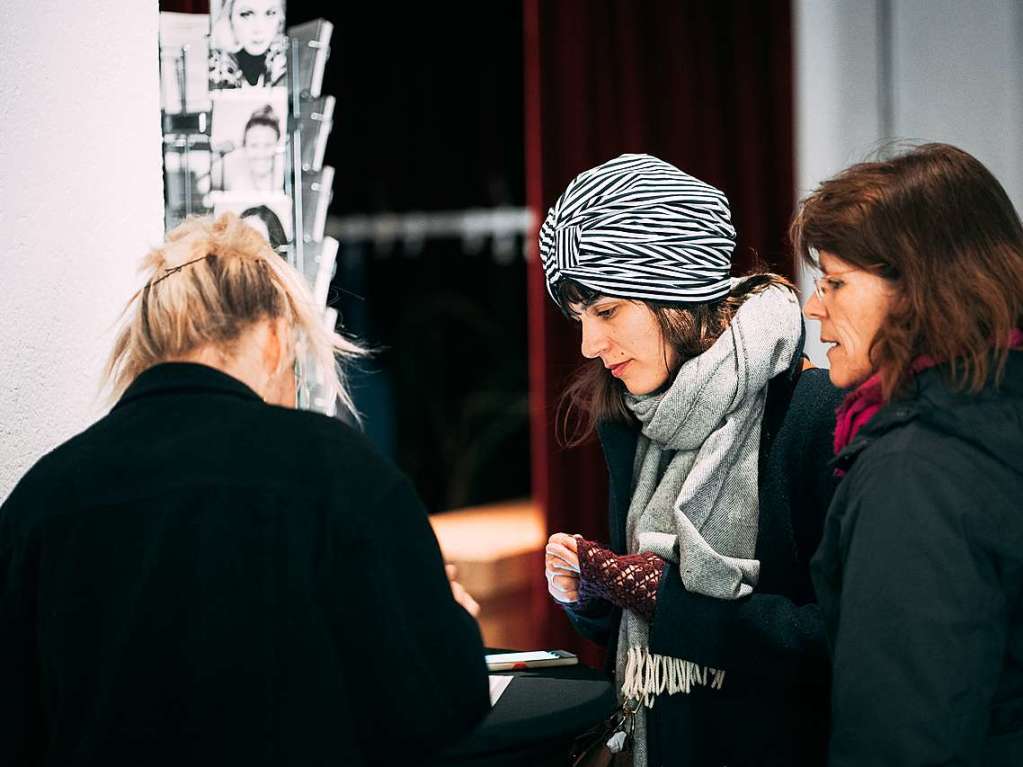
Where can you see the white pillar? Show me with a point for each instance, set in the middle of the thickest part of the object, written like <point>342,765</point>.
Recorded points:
<point>839,100</point>
<point>869,71</point>
<point>81,199</point>
<point>958,73</point>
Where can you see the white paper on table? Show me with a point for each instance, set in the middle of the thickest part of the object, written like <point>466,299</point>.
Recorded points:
<point>498,684</point>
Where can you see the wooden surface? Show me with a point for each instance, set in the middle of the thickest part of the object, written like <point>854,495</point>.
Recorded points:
<point>498,550</point>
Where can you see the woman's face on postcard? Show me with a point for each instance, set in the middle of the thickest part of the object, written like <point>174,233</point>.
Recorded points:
<point>260,149</point>
<point>256,23</point>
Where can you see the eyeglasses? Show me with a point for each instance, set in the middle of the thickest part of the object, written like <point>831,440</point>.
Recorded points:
<point>822,285</point>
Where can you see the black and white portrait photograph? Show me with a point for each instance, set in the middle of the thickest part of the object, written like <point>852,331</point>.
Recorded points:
<point>247,139</point>
<point>247,44</point>
<point>269,214</point>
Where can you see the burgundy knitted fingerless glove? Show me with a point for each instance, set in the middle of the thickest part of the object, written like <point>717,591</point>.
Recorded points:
<point>629,581</point>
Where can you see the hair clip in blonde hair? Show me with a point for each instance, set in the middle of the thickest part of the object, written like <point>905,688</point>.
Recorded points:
<point>178,268</point>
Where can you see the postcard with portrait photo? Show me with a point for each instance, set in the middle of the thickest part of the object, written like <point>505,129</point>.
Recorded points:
<point>270,214</point>
<point>248,48</point>
<point>248,140</point>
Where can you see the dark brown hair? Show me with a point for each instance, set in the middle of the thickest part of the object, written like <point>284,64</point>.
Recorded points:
<point>265,116</point>
<point>937,224</point>
<point>594,395</point>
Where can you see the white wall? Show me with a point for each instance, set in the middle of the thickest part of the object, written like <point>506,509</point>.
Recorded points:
<point>957,68</point>
<point>869,71</point>
<point>81,199</point>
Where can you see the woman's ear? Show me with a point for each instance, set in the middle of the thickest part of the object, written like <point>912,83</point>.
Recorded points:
<point>899,304</point>
<point>278,361</point>
<point>277,350</point>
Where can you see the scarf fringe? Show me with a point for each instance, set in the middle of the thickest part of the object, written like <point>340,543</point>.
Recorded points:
<point>648,675</point>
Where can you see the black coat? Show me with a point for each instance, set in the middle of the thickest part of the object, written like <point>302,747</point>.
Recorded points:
<point>772,708</point>
<point>201,578</point>
<point>920,577</point>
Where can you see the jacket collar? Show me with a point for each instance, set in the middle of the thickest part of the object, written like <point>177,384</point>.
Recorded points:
<point>889,417</point>
<point>932,400</point>
<point>184,377</point>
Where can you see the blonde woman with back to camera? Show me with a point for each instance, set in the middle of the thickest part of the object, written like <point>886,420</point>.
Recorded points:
<point>209,576</point>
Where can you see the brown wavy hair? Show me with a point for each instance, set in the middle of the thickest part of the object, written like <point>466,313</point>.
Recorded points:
<point>940,228</point>
<point>594,395</point>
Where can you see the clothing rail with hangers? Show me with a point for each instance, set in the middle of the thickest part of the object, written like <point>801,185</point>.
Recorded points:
<point>474,226</point>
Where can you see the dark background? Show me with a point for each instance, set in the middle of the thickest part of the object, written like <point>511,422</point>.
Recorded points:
<point>448,107</point>
<point>429,117</point>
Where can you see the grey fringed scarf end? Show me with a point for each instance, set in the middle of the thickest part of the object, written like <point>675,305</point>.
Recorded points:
<point>648,675</point>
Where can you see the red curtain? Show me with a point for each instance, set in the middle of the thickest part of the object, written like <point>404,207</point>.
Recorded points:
<point>185,6</point>
<point>705,86</point>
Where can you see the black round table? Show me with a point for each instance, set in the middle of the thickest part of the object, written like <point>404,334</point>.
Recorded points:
<point>536,719</point>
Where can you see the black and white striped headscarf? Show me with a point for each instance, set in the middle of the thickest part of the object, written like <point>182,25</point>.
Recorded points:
<point>638,227</point>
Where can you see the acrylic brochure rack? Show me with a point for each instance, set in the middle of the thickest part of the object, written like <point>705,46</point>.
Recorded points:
<point>197,167</point>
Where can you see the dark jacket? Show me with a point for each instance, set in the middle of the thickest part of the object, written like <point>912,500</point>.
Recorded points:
<point>201,578</point>
<point>772,708</point>
<point>920,577</point>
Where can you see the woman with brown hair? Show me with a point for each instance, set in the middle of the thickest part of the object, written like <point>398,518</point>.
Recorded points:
<point>920,571</point>
<point>716,440</point>
<point>208,575</point>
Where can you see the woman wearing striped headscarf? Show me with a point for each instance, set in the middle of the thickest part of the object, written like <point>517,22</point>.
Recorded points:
<point>716,440</point>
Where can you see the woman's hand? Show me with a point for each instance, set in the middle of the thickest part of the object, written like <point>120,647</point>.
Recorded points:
<point>561,566</point>
<point>460,594</point>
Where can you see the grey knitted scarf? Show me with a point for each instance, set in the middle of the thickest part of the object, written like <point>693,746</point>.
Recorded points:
<point>695,483</point>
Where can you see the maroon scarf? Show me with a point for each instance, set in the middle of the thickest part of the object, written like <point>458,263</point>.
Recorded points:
<point>862,404</point>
